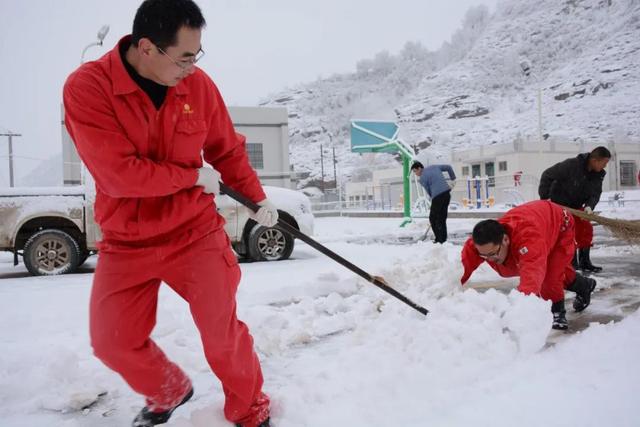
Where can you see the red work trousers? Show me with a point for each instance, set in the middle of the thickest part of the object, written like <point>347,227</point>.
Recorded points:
<point>123,308</point>
<point>560,272</point>
<point>584,233</point>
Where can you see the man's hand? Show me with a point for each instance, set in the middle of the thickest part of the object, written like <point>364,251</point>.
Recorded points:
<point>209,178</point>
<point>588,210</point>
<point>451,184</point>
<point>267,215</point>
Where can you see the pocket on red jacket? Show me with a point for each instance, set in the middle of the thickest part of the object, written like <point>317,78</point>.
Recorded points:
<point>189,138</point>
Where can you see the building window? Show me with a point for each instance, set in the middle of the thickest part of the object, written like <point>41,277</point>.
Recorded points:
<point>465,171</point>
<point>490,171</point>
<point>627,172</point>
<point>255,155</point>
<point>475,170</point>
<point>502,166</point>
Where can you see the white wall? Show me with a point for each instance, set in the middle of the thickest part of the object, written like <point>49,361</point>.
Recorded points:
<point>268,126</point>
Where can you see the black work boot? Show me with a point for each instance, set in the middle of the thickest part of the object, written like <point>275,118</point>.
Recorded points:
<point>559,316</point>
<point>147,418</point>
<point>583,287</point>
<point>585,261</point>
<point>574,261</point>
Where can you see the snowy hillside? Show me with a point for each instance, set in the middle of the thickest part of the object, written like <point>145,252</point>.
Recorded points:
<point>583,55</point>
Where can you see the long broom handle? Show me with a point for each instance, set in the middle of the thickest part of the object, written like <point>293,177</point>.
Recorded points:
<point>288,228</point>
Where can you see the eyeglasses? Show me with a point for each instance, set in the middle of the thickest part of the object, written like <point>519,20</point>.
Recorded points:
<point>185,63</point>
<point>493,255</point>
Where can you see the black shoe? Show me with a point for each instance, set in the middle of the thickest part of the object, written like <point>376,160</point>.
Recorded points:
<point>265,423</point>
<point>583,287</point>
<point>146,418</point>
<point>559,316</point>
<point>585,261</point>
<point>560,321</point>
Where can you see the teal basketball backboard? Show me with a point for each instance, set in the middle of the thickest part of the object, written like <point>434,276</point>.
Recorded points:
<point>375,136</point>
<point>369,136</point>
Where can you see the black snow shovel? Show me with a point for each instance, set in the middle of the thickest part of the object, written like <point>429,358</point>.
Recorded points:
<point>287,228</point>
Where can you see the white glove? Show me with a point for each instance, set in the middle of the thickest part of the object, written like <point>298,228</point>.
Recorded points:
<point>588,210</point>
<point>452,184</point>
<point>267,215</point>
<point>209,178</point>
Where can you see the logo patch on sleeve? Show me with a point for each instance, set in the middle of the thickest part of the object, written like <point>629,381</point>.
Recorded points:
<point>523,250</point>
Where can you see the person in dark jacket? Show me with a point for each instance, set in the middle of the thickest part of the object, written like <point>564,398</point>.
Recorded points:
<point>439,190</point>
<point>577,183</point>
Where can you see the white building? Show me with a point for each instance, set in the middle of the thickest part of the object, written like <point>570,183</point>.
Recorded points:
<point>506,162</point>
<point>267,132</point>
<point>513,172</point>
<point>384,191</point>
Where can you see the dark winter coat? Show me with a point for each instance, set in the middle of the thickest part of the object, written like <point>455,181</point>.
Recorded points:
<point>570,183</point>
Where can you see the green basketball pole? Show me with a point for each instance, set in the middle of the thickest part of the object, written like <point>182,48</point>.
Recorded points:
<point>376,136</point>
<point>406,190</point>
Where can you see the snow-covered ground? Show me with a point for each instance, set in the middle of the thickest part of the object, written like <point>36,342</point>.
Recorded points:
<point>337,351</point>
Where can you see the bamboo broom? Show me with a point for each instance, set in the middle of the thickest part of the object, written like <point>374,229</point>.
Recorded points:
<point>624,229</point>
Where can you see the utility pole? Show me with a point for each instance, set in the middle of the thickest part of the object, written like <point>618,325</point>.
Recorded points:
<point>10,135</point>
<point>525,65</point>
<point>335,175</point>
<point>322,167</point>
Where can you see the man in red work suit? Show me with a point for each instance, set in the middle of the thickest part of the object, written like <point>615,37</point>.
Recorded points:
<point>535,241</point>
<point>143,117</point>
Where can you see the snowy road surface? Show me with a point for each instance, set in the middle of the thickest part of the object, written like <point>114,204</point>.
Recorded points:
<point>336,351</point>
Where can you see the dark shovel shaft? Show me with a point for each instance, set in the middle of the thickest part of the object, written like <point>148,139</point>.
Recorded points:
<point>287,228</point>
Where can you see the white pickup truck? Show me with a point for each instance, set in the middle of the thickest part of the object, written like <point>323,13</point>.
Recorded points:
<point>54,231</point>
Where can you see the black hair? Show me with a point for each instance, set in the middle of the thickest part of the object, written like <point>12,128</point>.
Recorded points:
<point>160,20</point>
<point>416,165</point>
<point>488,231</point>
<point>599,153</point>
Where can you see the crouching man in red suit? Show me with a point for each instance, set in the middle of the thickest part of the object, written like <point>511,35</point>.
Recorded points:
<point>535,241</point>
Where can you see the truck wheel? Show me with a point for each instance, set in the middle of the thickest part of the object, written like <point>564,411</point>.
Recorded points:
<point>50,252</point>
<point>269,244</point>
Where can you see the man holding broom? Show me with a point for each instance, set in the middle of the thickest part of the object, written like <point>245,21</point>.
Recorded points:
<point>577,183</point>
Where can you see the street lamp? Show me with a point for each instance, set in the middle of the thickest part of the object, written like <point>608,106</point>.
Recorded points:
<point>525,65</point>
<point>102,33</point>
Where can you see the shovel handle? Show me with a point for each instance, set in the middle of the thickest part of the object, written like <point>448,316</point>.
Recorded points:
<point>288,228</point>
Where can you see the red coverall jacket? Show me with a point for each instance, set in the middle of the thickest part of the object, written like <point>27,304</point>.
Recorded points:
<point>144,161</point>
<point>541,247</point>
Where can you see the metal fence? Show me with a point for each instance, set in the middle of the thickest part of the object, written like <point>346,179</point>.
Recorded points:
<point>500,190</point>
